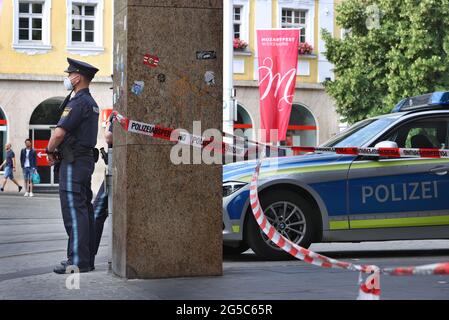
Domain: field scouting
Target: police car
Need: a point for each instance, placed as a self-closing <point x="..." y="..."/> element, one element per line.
<point x="331" y="197"/>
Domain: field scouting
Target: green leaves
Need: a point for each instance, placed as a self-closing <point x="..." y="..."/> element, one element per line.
<point x="405" y="54"/>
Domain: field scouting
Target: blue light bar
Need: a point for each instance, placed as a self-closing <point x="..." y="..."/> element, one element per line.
<point x="427" y="101"/>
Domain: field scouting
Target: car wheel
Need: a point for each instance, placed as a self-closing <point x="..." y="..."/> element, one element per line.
<point x="290" y="214"/>
<point x="233" y="251"/>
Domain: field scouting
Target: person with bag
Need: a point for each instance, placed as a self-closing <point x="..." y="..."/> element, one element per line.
<point x="28" y="160"/>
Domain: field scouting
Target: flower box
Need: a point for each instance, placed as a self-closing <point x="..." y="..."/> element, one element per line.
<point x="239" y="44"/>
<point x="305" y="48"/>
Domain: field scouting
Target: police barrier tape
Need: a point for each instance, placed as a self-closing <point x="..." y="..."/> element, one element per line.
<point x="369" y="289"/>
<point x="174" y="135"/>
<point x="358" y="151"/>
<point x="380" y="152"/>
<point x="429" y="269"/>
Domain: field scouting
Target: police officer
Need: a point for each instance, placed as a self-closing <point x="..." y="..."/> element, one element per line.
<point x="101" y="200"/>
<point x="73" y="143"/>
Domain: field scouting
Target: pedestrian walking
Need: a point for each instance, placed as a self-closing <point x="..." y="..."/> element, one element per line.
<point x="28" y="161"/>
<point x="10" y="167"/>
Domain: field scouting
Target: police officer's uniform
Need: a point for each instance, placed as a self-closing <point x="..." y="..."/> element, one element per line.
<point x="100" y="209"/>
<point x="80" y="121"/>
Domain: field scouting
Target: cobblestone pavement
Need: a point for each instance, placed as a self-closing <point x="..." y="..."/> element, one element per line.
<point x="33" y="241"/>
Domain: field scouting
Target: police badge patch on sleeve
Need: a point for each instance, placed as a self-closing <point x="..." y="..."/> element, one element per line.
<point x="66" y="112"/>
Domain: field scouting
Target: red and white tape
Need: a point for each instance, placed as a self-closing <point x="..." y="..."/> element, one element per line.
<point x="430" y="269"/>
<point x="160" y="132"/>
<point x="369" y="289"/>
<point x="174" y="135"/>
<point x="365" y="292"/>
<point x="380" y="152"/>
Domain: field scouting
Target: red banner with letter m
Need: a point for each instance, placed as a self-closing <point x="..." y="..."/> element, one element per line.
<point x="278" y="62"/>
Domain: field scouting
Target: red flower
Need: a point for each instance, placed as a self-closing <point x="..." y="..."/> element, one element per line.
<point x="239" y="44"/>
<point x="305" y="48"/>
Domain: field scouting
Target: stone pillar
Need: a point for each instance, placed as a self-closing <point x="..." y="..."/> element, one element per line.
<point x="167" y="218"/>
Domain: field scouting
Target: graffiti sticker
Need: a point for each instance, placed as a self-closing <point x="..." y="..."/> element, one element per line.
<point x="206" y="55"/>
<point x="209" y="78"/>
<point x="151" y="61"/>
<point x="161" y="77"/>
<point x="137" y="87"/>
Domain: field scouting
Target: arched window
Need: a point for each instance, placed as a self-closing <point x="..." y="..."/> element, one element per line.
<point x="243" y="126"/>
<point x="3" y="135"/>
<point x="47" y="113"/>
<point x="43" y="121"/>
<point x="302" y="128"/>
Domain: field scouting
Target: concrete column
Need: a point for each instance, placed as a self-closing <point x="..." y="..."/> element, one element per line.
<point x="167" y="218"/>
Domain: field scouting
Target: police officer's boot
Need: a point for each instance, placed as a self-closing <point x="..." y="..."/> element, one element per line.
<point x="68" y="269"/>
<point x="65" y="263"/>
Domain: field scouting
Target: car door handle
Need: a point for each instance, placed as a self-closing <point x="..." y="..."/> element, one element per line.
<point x="440" y="171"/>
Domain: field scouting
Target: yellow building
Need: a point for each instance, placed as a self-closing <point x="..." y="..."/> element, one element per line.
<point x="313" y="118"/>
<point x="36" y="37"/>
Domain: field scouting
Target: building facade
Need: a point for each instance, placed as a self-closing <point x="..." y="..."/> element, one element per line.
<point x="36" y="37"/>
<point x="313" y="119"/>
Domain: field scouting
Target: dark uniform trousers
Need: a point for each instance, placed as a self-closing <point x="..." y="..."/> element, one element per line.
<point x="100" y="215"/>
<point x="78" y="214"/>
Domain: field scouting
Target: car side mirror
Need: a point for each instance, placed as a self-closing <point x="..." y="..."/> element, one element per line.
<point x="386" y="144"/>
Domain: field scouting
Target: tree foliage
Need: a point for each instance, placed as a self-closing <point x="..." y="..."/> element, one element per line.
<point x="378" y="64"/>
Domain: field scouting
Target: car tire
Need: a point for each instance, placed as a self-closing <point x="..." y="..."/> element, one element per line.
<point x="234" y="251"/>
<point x="258" y="242"/>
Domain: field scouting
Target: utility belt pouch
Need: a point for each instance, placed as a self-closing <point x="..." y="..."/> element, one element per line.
<point x="96" y="155"/>
<point x="104" y="156"/>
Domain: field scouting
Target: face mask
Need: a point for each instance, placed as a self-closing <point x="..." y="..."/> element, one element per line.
<point x="68" y="84"/>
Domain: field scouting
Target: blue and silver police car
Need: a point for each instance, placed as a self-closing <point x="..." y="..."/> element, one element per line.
<point x="344" y="198"/>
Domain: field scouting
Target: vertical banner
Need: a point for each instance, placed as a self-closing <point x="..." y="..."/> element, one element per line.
<point x="278" y="62"/>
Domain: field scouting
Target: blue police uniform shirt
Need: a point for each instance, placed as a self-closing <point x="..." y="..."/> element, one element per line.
<point x="80" y="118"/>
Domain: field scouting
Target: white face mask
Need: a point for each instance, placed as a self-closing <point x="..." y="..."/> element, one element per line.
<point x="68" y="84"/>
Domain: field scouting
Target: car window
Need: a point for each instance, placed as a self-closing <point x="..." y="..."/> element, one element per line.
<point x="360" y="133"/>
<point x="427" y="133"/>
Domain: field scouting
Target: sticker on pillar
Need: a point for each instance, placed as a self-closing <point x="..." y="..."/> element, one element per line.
<point x="161" y="77"/>
<point x="151" y="60"/>
<point x="137" y="87"/>
<point x="206" y="55"/>
<point x="209" y="78"/>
